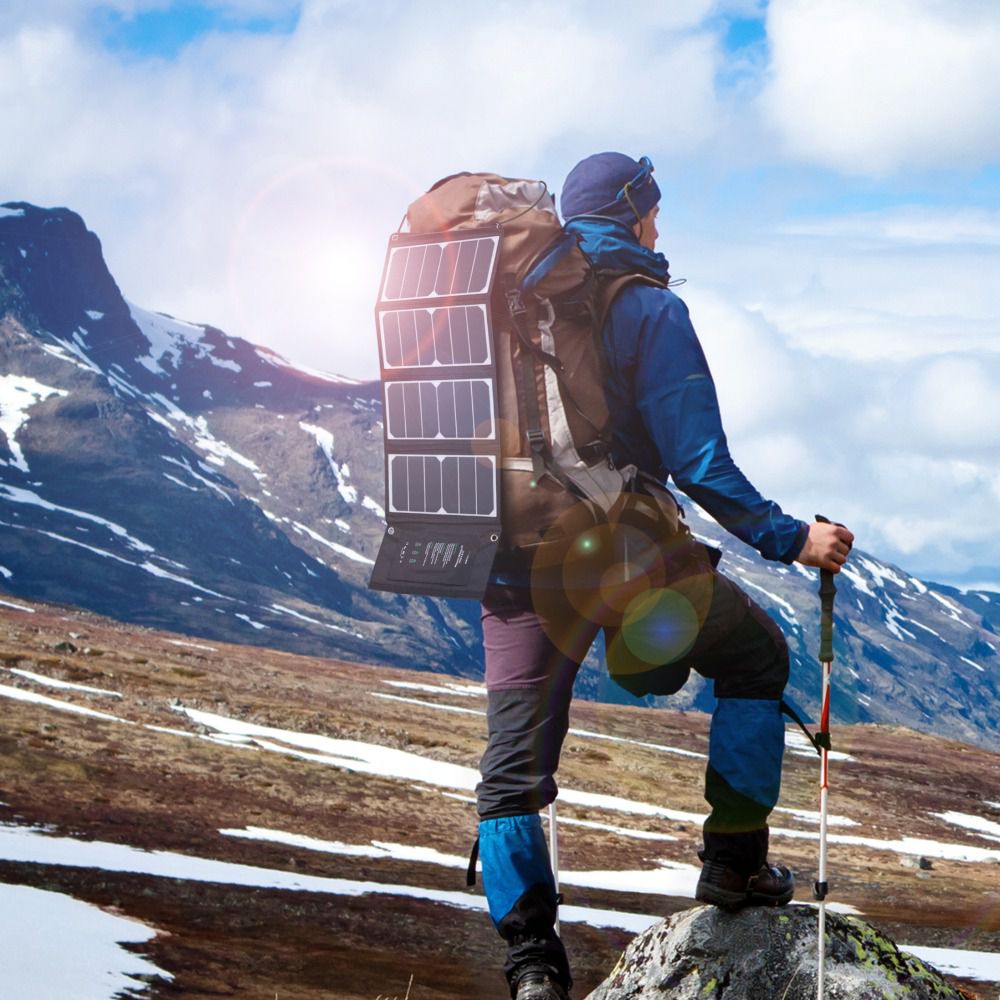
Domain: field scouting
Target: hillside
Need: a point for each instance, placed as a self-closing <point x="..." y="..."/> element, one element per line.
<point x="299" y="827"/>
<point x="169" y="474"/>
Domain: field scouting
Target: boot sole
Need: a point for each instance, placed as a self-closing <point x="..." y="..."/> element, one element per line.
<point x="731" y="901"/>
<point x="760" y="899"/>
<point x="725" y="899"/>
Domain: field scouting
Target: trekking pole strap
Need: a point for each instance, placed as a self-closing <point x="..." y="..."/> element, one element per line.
<point x="820" y="890"/>
<point x="820" y="742"/>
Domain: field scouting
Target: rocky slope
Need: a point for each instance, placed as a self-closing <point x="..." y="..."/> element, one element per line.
<point x="172" y="475"/>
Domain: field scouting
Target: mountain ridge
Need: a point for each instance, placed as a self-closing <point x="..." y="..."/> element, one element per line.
<point x="170" y="474"/>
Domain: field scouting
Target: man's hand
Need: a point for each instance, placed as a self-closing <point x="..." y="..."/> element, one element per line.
<point x="826" y="546"/>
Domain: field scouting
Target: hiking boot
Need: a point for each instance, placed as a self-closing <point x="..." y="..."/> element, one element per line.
<point x="725" y="887"/>
<point x="538" y="983"/>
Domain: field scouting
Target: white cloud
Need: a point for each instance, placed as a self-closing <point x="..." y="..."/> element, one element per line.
<point x="907" y="226"/>
<point x="877" y="87"/>
<point x="253" y="181"/>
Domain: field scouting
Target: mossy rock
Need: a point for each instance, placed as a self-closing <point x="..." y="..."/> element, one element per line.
<point x="763" y="954"/>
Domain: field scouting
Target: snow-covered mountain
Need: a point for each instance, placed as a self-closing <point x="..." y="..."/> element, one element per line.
<point x="166" y="473"/>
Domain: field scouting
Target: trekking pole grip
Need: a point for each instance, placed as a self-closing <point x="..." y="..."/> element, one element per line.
<point x="827" y="592"/>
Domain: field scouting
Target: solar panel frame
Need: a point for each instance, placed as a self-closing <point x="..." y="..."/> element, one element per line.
<point x="435" y="342"/>
<point x="424" y="405"/>
<point x="406" y="276"/>
<point x="435" y="333"/>
<point x="417" y="495"/>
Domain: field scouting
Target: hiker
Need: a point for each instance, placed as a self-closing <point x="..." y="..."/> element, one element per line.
<point x="666" y="422"/>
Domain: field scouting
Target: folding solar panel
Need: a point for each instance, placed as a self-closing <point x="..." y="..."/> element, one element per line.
<point x="442" y="449"/>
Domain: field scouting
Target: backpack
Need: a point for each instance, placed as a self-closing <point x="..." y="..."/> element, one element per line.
<point x="497" y="430"/>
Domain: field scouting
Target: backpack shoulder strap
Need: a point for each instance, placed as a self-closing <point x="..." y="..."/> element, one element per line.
<point x="610" y="287"/>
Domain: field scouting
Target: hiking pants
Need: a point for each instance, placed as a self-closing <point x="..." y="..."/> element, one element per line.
<point x="529" y="679"/>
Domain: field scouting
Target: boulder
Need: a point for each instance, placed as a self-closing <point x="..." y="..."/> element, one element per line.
<point x="764" y="954"/>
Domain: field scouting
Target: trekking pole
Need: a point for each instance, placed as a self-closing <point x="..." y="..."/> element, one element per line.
<point x="554" y="854"/>
<point x="827" y="592"/>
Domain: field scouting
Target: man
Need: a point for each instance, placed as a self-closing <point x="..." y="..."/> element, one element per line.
<point x="665" y="421"/>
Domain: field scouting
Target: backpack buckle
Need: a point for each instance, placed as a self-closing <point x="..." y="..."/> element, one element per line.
<point x="515" y="304"/>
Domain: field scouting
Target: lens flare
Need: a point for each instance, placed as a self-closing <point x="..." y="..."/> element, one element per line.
<point x="660" y="626"/>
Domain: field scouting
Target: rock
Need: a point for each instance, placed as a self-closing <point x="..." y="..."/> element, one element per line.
<point x="64" y="647"/>
<point x="763" y="954"/>
<point x="925" y="864"/>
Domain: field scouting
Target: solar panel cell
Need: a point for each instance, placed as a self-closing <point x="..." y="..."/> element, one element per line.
<point x="415" y="500"/>
<point x="467" y="487"/>
<point x="485" y="481"/>
<point x="479" y="345"/>
<point x="392" y="351"/>
<point x="429" y="410"/>
<point x="462" y="284"/>
<point x="465" y="418"/>
<point x="429" y="271"/>
<point x="449" y="485"/>
<point x="446" y="407"/>
<point x="446" y="270"/>
<point x="461" y="350"/>
<point x="398" y="499"/>
<point x="394" y="274"/>
<point x="482" y="409"/>
<point x="442" y="336"/>
<point x="432" y="483"/>
<point x="481" y="266"/>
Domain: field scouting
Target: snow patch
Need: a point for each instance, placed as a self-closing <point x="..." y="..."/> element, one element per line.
<point x="218" y="451"/>
<point x="426" y="704"/>
<point x="638" y="743"/>
<point x="17" y="607"/>
<point x="342" y="550"/>
<point x="251" y="622"/>
<point x="912" y="846"/>
<point x="167" y="338"/>
<point x="783" y="605"/>
<point x="19" y="694"/>
<point x="312" y="621"/>
<point x="63" y="685"/>
<point x="60" y="947"/>
<point x="277" y="361"/>
<point x="18" y="495"/>
<point x="464" y="690"/>
<point x="18" y="393"/>
<point x="374" y="507"/>
<point x="798" y="744"/>
<point x="860" y="583"/>
<point x="324" y="439"/>
<point x="11" y="213"/>
<point x="985" y="827"/>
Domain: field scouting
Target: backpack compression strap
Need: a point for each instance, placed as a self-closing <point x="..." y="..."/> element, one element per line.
<point x="541" y="457"/>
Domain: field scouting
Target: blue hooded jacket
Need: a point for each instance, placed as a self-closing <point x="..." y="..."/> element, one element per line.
<point x="660" y="392"/>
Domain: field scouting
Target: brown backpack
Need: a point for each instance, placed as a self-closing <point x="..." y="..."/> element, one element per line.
<point x="550" y="446"/>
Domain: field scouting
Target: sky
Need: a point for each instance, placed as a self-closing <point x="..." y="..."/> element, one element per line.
<point x="830" y="173"/>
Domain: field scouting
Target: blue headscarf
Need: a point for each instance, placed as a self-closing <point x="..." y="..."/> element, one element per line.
<point x="612" y="185"/>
